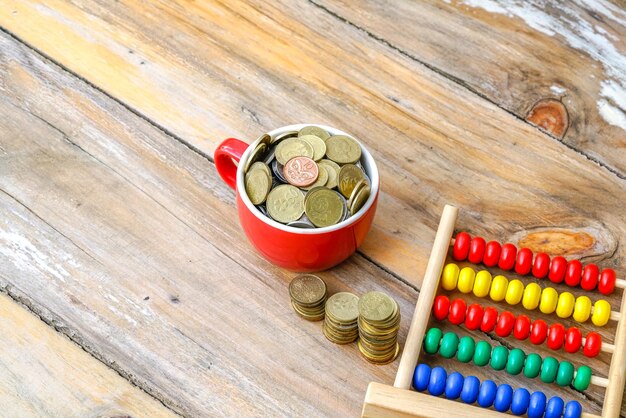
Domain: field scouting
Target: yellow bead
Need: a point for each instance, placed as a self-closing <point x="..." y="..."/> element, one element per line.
<point x="482" y="283"/>
<point x="498" y="288"/>
<point x="582" y="309"/>
<point x="532" y="295"/>
<point x="549" y="298"/>
<point x="514" y="292"/>
<point x="601" y="313"/>
<point x="565" y="305"/>
<point x="466" y="280"/>
<point x="450" y="276"/>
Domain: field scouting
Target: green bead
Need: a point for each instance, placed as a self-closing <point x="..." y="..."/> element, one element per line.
<point x="583" y="378"/>
<point x="499" y="357"/>
<point x="532" y="366"/>
<point x="565" y="374"/>
<point x="449" y="345"/>
<point x="549" y="369"/>
<point x="515" y="363"/>
<point x="432" y="339"/>
<point x="482" y="353"/>
<point x="466" y="349"/>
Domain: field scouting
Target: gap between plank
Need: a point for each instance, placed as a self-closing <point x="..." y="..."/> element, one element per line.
<point x="465" y="85"/>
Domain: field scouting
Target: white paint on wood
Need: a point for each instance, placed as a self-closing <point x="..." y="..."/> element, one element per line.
<point x="575" y="28"/>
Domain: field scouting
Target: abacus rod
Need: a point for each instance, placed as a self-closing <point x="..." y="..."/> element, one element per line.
<point x="424" y="303"/>
<point x="603" y="382"/>
<point x="606" y="347"/>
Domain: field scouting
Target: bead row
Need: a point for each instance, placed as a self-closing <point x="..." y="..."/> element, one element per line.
<point x="532" y="296"/>
<point x="513" y="361"/>
<point x="508" y="257"/>
<point x="487" y="394"/>
<point x="506" y="323"/>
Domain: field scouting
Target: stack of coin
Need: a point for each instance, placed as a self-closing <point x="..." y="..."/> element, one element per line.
<point x="307" y="178"/>
<point x="379" y="321"/>
<point x="342" y="313"/>
<point x="308" y="296"/>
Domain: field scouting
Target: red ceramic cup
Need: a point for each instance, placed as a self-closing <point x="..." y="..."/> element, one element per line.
<point x="297" y="249"/>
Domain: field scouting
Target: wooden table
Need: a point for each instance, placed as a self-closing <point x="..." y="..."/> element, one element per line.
<point x="129" y="288"/>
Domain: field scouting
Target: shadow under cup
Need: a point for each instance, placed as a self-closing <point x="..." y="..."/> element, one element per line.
<point x="297" y="249"/>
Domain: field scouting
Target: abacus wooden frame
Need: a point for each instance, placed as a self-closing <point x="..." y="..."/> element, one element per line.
<point x="398" y="400"/>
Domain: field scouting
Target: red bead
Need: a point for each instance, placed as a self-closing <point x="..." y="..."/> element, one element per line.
<point x="538" y="331"/>
<point x="521" y="331"/>
<point x="606" y="284"/>
<point x="490" y="318"/>
<point x="474" y="317"/>
<point x="524" y="261"/>
<point x="441" y="307"/>
<point x="541" y="266"/>
<point x="507" y="256"/>
<point x="557" y="269"/>
<point x="556" y="336"/>
<point x="593" y="344"/>
<point x="505" y="324"/>
<point x="573" y="340"/>
<point x="573" y="272"/>
<point x="589" y="279"/>
<point x="461" y="246"/>
<point x="492" y="253"/>
<point x="457" y="311"/>
<point x="476" y="250"/>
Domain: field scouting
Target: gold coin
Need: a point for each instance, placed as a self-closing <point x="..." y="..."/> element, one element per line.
<point x="376" y="306"/>
<point x="342" y="149"/>
<point x="285" y="203"/>
<point x="356" y="190"/>
<point x="333" y="172"/>
<point x="293" y="147"/>
<point x="318" y="144"/>
<point x="258" y="184"/>
<point x="323" y="207"/>
<point x="314" y="130"/>
<point x="344" y="306"/>
<point x="360" y="199"/>
<point x="315" y="317"/>
<point x="349" y="176"/>
<point x="307" y="289"/>
<point x="322" y="179"/>
<point x="284" y="135"/>
<point x="255" y="156"/>
<point x="260" y="166"/>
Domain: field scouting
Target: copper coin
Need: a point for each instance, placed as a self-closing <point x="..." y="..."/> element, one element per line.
<point x="301" y="171"/>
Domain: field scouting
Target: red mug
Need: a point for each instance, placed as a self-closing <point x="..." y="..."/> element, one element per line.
<point x="297" y="249"/>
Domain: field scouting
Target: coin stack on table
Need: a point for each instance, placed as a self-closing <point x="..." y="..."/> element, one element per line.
<point x="379" y="321"/>
<point x="342" y="313"/>
<point x="307" y="178"/>
<point x="308" y="296"/>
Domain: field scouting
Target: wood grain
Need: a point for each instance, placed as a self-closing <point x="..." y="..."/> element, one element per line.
<point x="114" y="210"/>
<point x="43" y="374"/>
<point x="559" y="64"/>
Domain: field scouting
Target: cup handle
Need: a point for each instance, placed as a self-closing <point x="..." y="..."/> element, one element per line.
<point x="225" y="156"/>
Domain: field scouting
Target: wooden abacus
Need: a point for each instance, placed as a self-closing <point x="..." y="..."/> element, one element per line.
<point x="399" y="400"/>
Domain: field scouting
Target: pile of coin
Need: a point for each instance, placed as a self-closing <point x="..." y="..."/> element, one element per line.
<point x="379" y="321"/>
<point x="308" y="296"/>
<point x="307" y="178"/>
<point x="342" y="313"/>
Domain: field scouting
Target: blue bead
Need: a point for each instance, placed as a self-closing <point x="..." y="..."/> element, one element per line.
<point x="554" y="409"/>
<point x="469" y="394"/>
<point x="437" y="383"/>
<point x="487" y="393"/>
<point x="573" y="409"/>
<point x="421" y="377"/>
<point x="504" y="396"/>
<point x="537" y="405"/>
<point x="454" y="385"/>
<point x="520" y="401"/>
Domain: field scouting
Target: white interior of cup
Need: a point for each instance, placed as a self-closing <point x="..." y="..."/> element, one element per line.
<point x="366" y="160"/>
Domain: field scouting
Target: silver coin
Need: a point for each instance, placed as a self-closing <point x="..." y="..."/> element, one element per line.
<point x="277" y="168"/>
<point x="300" y="223"/>
<point x="262" y="209"/>
<point x="270" y="156"/>
<point x="346" y="212"/>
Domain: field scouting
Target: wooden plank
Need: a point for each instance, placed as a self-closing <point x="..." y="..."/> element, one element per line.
<point x="560" y="65"/>
<point x="43" y="374"/>
<point x="532" y="186"/>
